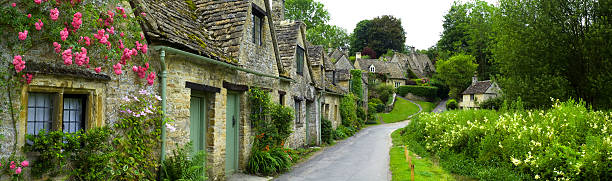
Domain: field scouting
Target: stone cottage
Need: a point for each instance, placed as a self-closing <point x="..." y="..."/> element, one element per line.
<point x="391" y="71"/>
<point x="211" y="53"/>
<point x="331" y="95"/>
<point x="479" y="91"/>
<point x="293" y="52"/>
<point x="419" y="64"/>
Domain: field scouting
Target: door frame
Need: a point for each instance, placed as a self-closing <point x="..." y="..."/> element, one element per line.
<point x="236" y="135"/>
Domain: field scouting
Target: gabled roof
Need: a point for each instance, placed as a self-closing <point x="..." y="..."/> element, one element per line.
<point x="336" y="54"/>
<point x="394" y="69"/>
<point x="315" y="55"/>
<point x="287" y="37"/>
<point x="207" y="27"/>
<point x="333" y="88"/>
<point x="478" y="87"/>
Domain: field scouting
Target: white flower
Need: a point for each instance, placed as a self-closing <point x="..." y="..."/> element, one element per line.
<point x="537" y="177"/>
<point x="143" y="92"/>
<point x="515" y="161"/>
<point x="158" y="98"/>
<point x="170" y="127"/>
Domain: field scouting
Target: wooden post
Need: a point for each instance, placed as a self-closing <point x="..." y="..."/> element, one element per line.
<point x="409" y="160"/>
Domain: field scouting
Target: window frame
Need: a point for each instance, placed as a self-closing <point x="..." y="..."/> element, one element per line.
<point x="299" y="59"/>
<point x="57" y="99"/>
<point x="257" y="28"/>
<point x="297" y="106"/>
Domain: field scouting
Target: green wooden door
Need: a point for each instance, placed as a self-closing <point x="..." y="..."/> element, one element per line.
<point x="232" y="128"/>
<point x="197" y="124"/>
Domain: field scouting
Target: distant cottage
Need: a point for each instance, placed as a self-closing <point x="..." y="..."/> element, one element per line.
<point x="478" y="92"/>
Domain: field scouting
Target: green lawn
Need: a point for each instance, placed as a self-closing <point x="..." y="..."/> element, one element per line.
<point x="402" y="110"/>
<point x="427" y="106"/>
<point x="424" y="169"/>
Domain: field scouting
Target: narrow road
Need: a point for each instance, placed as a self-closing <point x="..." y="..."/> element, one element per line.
<point x="441" y="107"/>
<point x="364" y="156"/>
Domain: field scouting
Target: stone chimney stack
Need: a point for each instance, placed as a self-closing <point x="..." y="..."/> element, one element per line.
<point x="475" y="78"/>
<point x="278" y="10"/>
<point x="358" y="55"/>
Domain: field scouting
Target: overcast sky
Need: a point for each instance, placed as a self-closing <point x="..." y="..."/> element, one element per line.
<point x="422" y="19"/>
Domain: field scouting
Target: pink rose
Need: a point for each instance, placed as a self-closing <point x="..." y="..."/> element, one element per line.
<point x="117" y="68"/>
<point x="25" y="163"/>
<point x="77" y="21"/>
<point x="54" y="14"/>
<point x="19" y="66"/>
<point x="135" y="69"/>
<point x="142" y="36"/>
<point x="58" y="47"/>
<point x="121" y="34"/>
<point x="67" y="56"/>
<point x="38" y="25"/>
<point x="143" y="14"/>
<point x="151" y="78"/>
<point x="28" y="79"/>
<point x="64" y="34"/>
<point x="37" y="1"/>
<point x="98" y="69"/>
<point x="23" y="35"/>
<point x="18" y="171"/>
<point x="29" y="15"/>
<point x="144" y="48"/>
<point x="14" y="5"/>
<point x="111" y="30"/>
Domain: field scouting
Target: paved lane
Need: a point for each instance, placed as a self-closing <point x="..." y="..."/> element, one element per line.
<point x="364" y="156"/>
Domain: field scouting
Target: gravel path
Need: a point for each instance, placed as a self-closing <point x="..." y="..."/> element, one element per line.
<point x="441" y="107"/>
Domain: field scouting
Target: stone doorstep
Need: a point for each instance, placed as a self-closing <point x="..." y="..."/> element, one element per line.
<point x="246" y="177"/>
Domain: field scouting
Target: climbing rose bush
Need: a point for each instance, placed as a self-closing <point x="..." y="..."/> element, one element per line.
<point x="67" y="26"/>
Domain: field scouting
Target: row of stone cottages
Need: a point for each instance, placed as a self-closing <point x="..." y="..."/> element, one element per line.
<point x="209" y="53"/>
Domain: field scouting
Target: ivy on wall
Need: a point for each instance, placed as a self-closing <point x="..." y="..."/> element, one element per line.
<point x="356" y="85"/>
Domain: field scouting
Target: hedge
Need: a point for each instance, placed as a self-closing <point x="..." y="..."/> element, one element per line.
<point x="428" y="92"/>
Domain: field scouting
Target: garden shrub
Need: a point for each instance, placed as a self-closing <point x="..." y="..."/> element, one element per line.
<point x="492" y="103"/>
<point x="379" y="106"/>
<point x="428" y="92"/>
<point x="184" y="165"/>
<point x="443" y="90"/>
<point x="384" y="92"/>
<point x="343" y="132"/>
<point x="272" y="125"/>
<point x="566" y="142"/>
<point x="348" y="111"/>
<point x="326" y="131"/>
<point x="371" y="112"/>
<point x="452" y="104"/>
<point x="361" y="114"/>
<point x="356" y="85"/>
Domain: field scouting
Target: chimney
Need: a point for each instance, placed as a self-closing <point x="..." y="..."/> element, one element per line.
<point x="412" y="50"/>
<point x="475" y="78"/>
<point x="358" y="55"/>
<point x="278" y="10"/>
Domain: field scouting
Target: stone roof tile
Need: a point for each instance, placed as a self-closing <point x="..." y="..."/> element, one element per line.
<point x="478" y="87"/>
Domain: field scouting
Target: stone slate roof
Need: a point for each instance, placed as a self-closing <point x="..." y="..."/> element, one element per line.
<point x="479" y="87"/>
<point x="394" y="69"/>
<point x="287" y="37"/>
<point x="332" y="88"/>
<point x="336" y="54"/>
<point x="208" y="27"/>
<point x="328" y="64"/>
<point x="315" y="54"/>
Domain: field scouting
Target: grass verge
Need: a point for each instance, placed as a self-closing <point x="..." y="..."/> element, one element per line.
<point x="401" y="111"/>
<point x="427" y="106"/>
<point x="425" y="169"/>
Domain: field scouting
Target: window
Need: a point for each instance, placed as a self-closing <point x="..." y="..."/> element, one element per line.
<point x="372" y="69"/>
<point x="281" y="99"/>
<point x="257" y="28"/>
<point x="336" y="112"/>
<point x="472" y="97"/>
<point x="298" y="112"/>
<point x="299" y="58"/>
<point x="43" y="110"/>
<point x="397" y="84"/>
<point x="334" y="77"/>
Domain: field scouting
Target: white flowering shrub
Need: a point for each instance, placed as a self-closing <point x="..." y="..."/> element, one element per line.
<point x="566" y="142"/>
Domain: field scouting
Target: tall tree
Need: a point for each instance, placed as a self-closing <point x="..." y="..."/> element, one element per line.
<point x="557" y="49"/>
<point x="456" y="73"/>
<point x="381" y="34"/>
<point x="316" y="18"/>
<point x="468" y="29"/>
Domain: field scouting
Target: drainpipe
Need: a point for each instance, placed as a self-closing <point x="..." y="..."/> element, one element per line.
<point x="162" y="57"/>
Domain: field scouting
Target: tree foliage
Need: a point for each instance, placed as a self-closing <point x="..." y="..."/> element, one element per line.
<point x="316" y="18"/>
<point x="468" y="30"/>
<point x="456" y="72"/>
<point x="382" y="33"/>
<point x="558" y="49"/>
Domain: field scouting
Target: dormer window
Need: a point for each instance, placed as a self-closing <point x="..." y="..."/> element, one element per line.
<point x="299" y="58"/>
<point x="258" y="15"/>
<point x="372" y="69"/>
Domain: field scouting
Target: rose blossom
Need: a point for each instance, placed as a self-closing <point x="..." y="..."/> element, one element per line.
<point x="23" y="35"/>
<point x="38" y="25"/>
<point x="54" y="14"/>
